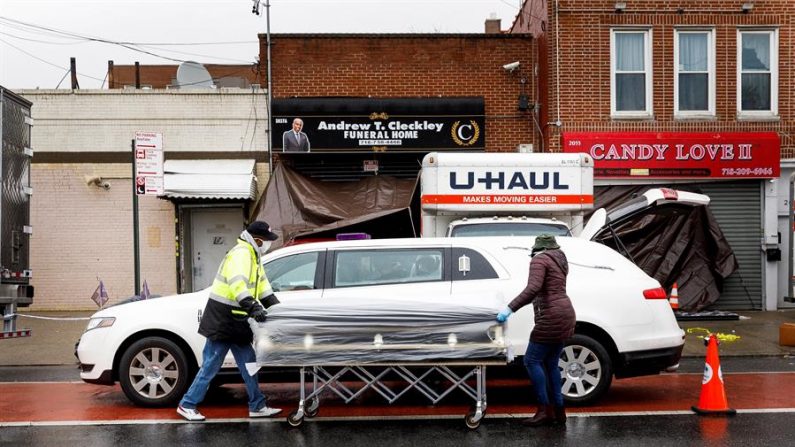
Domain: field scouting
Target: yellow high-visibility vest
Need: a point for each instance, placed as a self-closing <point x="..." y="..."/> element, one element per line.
<point x="240" y="276"/>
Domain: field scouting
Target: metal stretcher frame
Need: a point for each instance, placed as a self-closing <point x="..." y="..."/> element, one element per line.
<point x="381" y="378"/>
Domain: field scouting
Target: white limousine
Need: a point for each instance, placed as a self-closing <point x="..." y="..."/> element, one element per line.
<point x="625" y="326"/>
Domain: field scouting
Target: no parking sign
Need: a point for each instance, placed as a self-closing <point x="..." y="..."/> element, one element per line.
<point x="148" y="163"/>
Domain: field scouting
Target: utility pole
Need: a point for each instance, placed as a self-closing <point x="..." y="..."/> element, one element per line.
<point x="255" y="10"/>
<point x="136" y="250"/>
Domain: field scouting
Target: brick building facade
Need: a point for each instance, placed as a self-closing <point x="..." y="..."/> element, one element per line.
<point x="165" y="76"/>
<point x="411" y="65"/>
<point x="574" y="37"/>
<point x="690" y="73"/>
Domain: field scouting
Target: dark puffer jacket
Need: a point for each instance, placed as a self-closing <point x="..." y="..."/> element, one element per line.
<point x="546" y="289"/>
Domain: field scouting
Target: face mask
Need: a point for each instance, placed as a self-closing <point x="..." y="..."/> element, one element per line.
<point x="266" y="245"/>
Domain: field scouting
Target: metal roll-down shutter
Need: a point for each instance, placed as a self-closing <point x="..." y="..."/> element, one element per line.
<point x="737" y="206"/>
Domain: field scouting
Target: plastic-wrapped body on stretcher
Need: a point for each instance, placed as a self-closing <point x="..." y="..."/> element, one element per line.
<point x="390" y="347"/>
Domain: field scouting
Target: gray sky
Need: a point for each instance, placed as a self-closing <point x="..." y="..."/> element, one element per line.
<point x="225" y="29"/>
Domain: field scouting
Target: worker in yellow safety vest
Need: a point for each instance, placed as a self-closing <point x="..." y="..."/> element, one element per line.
<point x="240" y="291"/>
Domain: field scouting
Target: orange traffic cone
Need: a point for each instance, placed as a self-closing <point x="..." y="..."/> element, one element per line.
<point x="674" y="299"/>
<point x="713" y="396"/>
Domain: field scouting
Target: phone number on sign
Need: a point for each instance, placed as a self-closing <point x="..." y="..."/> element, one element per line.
<point x="746" y="171"/>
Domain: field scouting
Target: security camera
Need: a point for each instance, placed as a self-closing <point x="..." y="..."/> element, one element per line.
<point x="95" y="180"/>
<point x="511" y="67"/>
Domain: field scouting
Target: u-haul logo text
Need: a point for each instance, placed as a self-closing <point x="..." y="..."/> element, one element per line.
<point x="501" y="181"/>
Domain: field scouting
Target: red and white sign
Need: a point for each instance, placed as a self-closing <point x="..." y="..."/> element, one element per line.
<point x="506" y="182"/>
<point x="149" y="140"/>
<point x="679" y="154"/>
<point x="149" y="163"/>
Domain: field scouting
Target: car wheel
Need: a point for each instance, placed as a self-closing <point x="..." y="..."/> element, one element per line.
<point x="154" y="372"/>
<point x="586" y="370"/>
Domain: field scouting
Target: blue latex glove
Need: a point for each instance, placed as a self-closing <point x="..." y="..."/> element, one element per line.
<point x="503" y="316"/>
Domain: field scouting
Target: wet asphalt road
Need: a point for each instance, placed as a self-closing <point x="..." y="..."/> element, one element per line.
<point x="749" y="428"/>
<point x="70" y="373"/>
<point x="746" y="429"/>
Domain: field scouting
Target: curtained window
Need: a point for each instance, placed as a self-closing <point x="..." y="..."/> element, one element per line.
<point x="695" y="73"/>
<point x="758" y="71"/>
<point x="631" y="73"/>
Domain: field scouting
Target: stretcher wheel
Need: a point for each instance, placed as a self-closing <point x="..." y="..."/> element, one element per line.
<point x="313" y="408"/>
<point x="472" y="420"/>
<point x="295" y="418"/>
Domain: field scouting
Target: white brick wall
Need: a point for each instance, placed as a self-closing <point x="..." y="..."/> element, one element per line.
<point x="190" y="120"/>
<point x="81" y="233"/>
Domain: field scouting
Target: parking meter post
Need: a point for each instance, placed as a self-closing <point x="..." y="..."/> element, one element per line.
<point x="136" y="254"/>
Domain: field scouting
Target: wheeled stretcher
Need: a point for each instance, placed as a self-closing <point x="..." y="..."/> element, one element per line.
<point x="392" y="381"/>
<point x="350" y="347"/>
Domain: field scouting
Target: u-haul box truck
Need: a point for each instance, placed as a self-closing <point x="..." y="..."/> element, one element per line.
<point x="502" y="194"/>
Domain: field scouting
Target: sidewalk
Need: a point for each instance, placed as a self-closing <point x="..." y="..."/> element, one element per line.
<point x="758" y="332"/>
<point x="53" y="341"/>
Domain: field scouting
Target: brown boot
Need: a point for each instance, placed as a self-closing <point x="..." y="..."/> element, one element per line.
<point x="560" y="416"/>
<point x="545" y="415"/>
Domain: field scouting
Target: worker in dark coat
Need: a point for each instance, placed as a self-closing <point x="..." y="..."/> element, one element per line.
<point x="554" y="324"/>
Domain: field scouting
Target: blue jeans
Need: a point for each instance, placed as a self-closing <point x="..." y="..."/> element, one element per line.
<point x="214" y="353"/>
<point x="541" y="361"/>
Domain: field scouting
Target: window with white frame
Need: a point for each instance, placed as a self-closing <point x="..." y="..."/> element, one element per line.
<point x="757" y="73"/>
<point x="630" y="66"/>
<point x="694" y="73"/>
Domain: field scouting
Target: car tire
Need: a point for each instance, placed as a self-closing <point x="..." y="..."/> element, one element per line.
<point x="586" y="370"/>
<point x="154" y="372"/>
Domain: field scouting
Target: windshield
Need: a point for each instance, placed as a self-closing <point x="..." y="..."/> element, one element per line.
<point x="509" y="229"/>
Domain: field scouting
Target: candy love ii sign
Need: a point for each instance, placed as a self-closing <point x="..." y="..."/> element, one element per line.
<point x="679" y="154"/>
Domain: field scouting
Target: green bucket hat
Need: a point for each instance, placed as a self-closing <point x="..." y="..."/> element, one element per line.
<point x="546" y="242"/>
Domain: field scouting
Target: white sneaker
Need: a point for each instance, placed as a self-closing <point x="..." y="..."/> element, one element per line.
<point x="264" y="412"/>
<point x="190" y="414"/>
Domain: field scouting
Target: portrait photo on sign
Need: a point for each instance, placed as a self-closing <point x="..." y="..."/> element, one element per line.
<point x="295" y="140"/>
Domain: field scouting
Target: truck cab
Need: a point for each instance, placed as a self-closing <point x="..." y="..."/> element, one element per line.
<point x="506" y="226"/>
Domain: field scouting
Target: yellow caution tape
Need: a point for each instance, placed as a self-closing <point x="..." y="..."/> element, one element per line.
<point x="727" y="337"/>
<point x="721" y="336"/>
<point x="694" y="330"/>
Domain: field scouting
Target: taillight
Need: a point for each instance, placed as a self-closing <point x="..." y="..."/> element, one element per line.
<point x="655" y="294"/>
<point x="669" y="194"/>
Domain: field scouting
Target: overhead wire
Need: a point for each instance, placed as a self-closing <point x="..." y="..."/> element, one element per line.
<point x="133" y="46"/>
<point x="49" y="42"/>
<point x="76" y="38"/>
<point x="24" y="26"/>
<point x="45" y="61"/>
<point x="93" y="39"/>
<point x="201" y="55"/>
<point x="34" y="31"/>
<point x="64" y="77"/>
